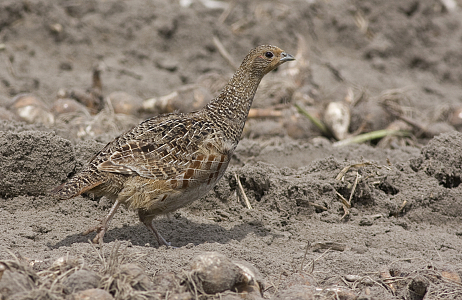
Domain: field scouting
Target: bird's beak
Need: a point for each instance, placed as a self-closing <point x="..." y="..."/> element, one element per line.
<point x="286" y="57"/>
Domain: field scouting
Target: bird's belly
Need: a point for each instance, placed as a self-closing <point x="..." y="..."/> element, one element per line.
<point x="184" y="197"/>
<point x="163" y="196"/>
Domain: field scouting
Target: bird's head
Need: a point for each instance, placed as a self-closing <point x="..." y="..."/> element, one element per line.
<point x="266" y="58"/>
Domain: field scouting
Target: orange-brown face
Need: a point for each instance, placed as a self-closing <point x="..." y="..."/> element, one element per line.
<point x="267" y="58"/>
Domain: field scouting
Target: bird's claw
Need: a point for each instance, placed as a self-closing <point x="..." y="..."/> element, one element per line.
<point x="100" y="231"/>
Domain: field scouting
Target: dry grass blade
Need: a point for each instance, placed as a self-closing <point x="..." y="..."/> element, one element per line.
<point x="9" y="66"/>
<point x="242" y="192"/>
<point x="344" y="201"/>
<point x="341" y="175"/>
<point x="194" y="288"/>
<point x="304" y="255"/>
<point x="117" y="278"/>
<point x="354" y="187"/>
<point x="392" y="102"/>
<point x="402" y="206"/>
<point x="363" y="24"/>
<point x="224" y="53"/>
<point x="388" y="279"/>
<point x="345" y="170"/>
<point x="318" y="206"/>
<point x="224" y="15"/>
<point x="311" y="264"/>
<point x="346" y="206"/>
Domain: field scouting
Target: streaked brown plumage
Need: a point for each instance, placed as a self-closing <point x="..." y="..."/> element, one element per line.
<point x="168" y="161"/>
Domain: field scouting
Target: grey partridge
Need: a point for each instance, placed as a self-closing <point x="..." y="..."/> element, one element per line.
<point x="169" y="161"/>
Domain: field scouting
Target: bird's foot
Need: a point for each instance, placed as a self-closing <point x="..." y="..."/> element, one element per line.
<point x="100" y="231"/>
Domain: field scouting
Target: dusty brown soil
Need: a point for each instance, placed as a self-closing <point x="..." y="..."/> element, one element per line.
<point x="401" y="237"/>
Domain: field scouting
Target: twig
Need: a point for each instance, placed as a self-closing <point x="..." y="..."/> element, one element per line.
<point x="224" y="53"/>
<point x="241" y="189"/>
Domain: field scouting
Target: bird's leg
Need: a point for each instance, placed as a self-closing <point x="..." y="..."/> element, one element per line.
<point x="147" y="221"/>
<point x="102" y="227"/>
<point x="159" y="237"/>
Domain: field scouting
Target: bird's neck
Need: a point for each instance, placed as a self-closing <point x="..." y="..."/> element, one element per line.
<point x="231" y="107"/>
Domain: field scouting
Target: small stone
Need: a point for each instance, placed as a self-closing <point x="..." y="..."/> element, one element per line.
<point x="65" y="66"/>
<point x="93" y="294"/>
<point x="167" y="64"/>
<point x="418" y="287"/>
<point x="124" y="103"/>
<point x="31" y="109"/>
<point x="214" y="273"/>
<point x="353" y="278"/>
<point x="366" y="222"/>
<point x="67" y="105"/>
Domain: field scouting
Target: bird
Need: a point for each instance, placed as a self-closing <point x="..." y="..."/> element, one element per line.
<point x="168" y="161"/>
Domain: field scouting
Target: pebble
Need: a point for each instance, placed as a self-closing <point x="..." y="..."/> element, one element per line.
<point x="93" y="294"/>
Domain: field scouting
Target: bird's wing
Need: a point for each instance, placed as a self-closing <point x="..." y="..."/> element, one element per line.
<point x="160" y="151"/>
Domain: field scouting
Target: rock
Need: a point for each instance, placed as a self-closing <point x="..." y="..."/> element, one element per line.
<point x="418" y="287"/>
<point x="31" y="109"/>
<point x="82" y="280"/>
<point x="124" y="103"/>
<point x="33" y="162"/>
<point x="252" y="281"/>
<point x="14" y="279"/>
<point x="213" y="273"/>
<point x="67" y="105"/>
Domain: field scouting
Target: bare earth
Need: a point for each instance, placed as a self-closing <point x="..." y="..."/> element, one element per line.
<point x="400" y="239"/>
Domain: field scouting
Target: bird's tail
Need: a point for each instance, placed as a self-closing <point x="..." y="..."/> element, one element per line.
<point x="77" y="185"/>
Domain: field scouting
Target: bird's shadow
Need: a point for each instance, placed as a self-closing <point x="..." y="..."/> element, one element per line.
<point x="179" y="232"/>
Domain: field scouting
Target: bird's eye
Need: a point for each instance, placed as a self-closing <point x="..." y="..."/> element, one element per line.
<point x="269" y="54"/>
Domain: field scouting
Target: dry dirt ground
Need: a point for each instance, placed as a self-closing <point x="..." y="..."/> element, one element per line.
<point x="387" y="227"/>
